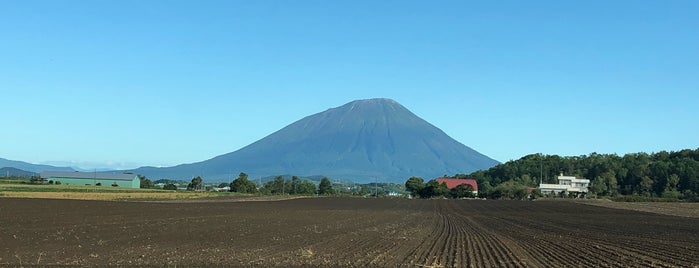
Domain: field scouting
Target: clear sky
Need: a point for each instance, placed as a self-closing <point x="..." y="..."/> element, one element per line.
<point x="128" y="83"/>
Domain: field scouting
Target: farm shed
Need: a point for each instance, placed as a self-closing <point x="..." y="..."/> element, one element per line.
<point x="93" y="178"/>
<point x="453" y="182"/>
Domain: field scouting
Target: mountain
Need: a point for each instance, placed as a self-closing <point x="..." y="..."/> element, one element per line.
<point x="31" y="167"/>
<point x="15" y="172"/>
<point x="364" y="140"/>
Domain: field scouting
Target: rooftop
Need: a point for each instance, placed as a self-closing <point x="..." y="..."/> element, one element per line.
<point x="88" y="175"/>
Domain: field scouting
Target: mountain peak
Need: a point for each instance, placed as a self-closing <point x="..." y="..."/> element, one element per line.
<point x="374" y="101"/>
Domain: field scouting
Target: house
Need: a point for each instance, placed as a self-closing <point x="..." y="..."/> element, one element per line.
<point x="392" y="193"/>
<point x="126" y="180"/>
<point x="566" y="184"/>
<point x="453" y="182"/>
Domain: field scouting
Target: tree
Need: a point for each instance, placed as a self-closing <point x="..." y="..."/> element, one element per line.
<point x="223" y="184"/>
<point x="598" y="186"/>
<point x="646" y="186"/>
<point x="535" y="194"/>
<point x="145" y="182"/>
<point x="170" y="186"/>
<point x="36" y="180"/>
<point x="242" y="184"/>
<point x="434" y="189"/>
<point x="611" y="182"/>
<point x="306" y="187"/>
<point x="295" y="181"/>
<point x="461" y="191"/>
<point x="276" y="186"/>
<point x="672" y="182"/>
<point x="325" y="187"/>
<point x="485" y="190"/>
<point x="414" y="185"/>
<point x="196" y="184"/>
<point x="511" y="190"/>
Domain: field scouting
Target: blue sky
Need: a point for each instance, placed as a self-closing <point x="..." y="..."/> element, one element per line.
<point x="129" y="83"/>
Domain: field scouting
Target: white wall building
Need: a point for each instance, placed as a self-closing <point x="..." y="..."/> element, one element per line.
<point x="569" y="184"/>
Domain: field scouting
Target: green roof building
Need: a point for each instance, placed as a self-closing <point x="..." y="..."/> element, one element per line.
<point x="108" y="179"/>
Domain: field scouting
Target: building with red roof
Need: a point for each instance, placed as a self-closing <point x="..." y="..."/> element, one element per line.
<point x="453" y="182"/>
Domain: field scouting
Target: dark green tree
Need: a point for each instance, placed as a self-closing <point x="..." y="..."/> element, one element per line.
<point x="295" y="181"/>
<point x="414" y="185"/>
<point x="145" y="182"/>
<point x="276" y="186"/>
<point x="196" y="184"/>
<point x="170" y="186"/>
<point x="598" y="186"/>
<point x="462" y="191"/>
<point x="325" y="187"/>
<point x="306" y="187"/>
<point x="242" y="184"/>
<point x="434" y="189"/>
<point x="510" y="190"/>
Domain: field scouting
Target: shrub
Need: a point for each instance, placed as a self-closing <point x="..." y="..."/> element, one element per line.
<point x="170" y="186"/>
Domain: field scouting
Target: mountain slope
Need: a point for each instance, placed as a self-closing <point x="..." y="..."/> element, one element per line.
<point x="31" y="167"/>
<point x="15" y="172"/>
<point x="364" y="140"/>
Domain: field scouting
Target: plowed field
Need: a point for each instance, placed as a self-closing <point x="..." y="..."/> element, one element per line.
<point x="342" y="232"/>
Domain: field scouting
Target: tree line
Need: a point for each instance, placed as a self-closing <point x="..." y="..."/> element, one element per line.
<point x="663" y="174"/>
<point x="281" y="186"/>
<point x="418" y="188"/>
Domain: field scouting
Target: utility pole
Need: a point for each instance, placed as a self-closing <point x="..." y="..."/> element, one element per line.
<point x="376" y="192"/>
<point x="541" y="175"/>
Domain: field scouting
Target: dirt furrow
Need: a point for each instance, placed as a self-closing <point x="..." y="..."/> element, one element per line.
<point x="341" y="232"/>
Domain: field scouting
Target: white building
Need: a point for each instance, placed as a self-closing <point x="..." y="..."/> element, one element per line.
<point x="568" y="184"/>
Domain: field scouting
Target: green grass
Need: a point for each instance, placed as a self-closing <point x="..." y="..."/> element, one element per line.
<point x="13" y="181"/>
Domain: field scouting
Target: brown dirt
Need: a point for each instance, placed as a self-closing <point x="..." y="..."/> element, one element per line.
<point x="666" y="208"/>
<point x="341" y="232"/>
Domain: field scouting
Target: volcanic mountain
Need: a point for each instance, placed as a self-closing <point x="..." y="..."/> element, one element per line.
<point x="364" y="140"/>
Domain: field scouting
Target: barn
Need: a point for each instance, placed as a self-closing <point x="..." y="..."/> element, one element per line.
<point x="125" y="180"/>
<point x="453" y="182"/>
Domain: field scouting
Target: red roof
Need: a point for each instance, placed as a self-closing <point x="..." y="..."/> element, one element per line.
<point x="452" y="182"/>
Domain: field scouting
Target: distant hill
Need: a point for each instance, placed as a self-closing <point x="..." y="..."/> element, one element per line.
<point x="364" y="141"/>
<point x="30" y="167"/>
<point x="15" y="172"/>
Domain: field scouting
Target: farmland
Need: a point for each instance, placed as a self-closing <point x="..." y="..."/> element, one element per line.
<point x="100" y="193"/>
<point x="342" y="232"/>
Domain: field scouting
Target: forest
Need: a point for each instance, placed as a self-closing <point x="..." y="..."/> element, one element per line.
<point x="670" y="175"/>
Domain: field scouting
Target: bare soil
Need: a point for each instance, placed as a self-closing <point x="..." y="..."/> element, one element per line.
<point x="341" y="232"/>
<point x="666" y="208"/>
